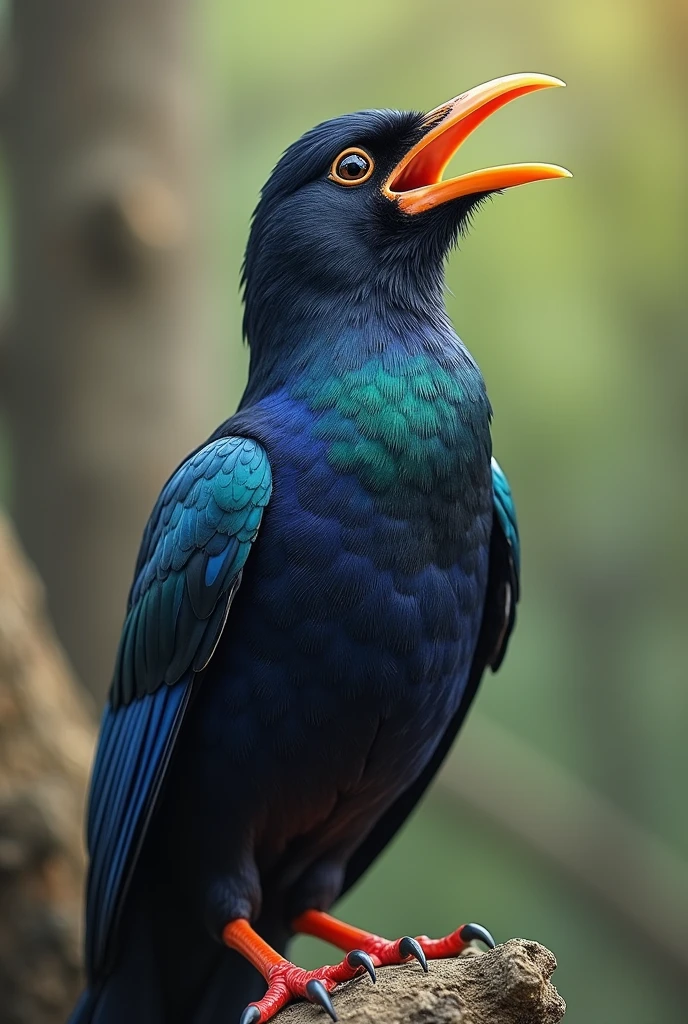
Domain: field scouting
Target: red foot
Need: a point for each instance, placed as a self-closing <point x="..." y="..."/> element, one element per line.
<point x="287" y="982"/>
<point x="365" y="951"/>
<point x="452" y="945"/>
<point x="384" y="951"/>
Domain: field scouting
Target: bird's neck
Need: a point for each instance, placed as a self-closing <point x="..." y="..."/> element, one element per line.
<point x="287" y="315"/>
<point x="343" y="336"/>
<point x="390" y="406"/>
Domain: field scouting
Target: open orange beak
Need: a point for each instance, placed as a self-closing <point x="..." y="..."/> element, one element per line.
<point x="416" y="182"/>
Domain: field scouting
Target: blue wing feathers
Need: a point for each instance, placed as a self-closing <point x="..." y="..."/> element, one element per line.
<point x="188" y="569"/>
<point x="154" y="727"/>
<point x="505" y="510"/>
<point x="505" y="568"/>
<point x="212" y="504"/>
<point x="143" y="730"/>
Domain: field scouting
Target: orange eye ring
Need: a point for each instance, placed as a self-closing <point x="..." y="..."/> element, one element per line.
<point x="358" y="161"/>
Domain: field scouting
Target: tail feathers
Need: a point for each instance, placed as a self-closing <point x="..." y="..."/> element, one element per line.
<point x="131" y="994"/>
<point x="83" y="1011"/>
<point x="129" y="998"/>
<point x="116" y="1003"/>
<point x="120" y="1000"/>
<point x="192" y="980"/>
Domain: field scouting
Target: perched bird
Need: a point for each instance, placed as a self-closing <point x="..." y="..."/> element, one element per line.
<point x="318" y="592"/>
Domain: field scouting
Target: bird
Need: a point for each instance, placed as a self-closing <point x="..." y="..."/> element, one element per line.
<point x="319" y="590"/>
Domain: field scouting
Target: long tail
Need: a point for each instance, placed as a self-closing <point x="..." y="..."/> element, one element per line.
<point x="177" y="975"/>
<point x="232" y="985"/>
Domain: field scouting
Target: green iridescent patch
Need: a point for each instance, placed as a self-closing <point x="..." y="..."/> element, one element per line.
<point x="390" y="426"/>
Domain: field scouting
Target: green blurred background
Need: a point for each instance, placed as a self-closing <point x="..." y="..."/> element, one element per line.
<point x="562" y="814"/>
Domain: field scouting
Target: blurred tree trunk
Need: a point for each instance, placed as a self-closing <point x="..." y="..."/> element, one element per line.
<point x="106" y="362"/>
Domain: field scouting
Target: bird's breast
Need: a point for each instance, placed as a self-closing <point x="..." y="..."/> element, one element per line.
<point x="372" y="556"/>
<point x="351" y="638"/>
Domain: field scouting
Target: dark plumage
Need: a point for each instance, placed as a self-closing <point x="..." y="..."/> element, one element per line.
<point x="318" y="592"/>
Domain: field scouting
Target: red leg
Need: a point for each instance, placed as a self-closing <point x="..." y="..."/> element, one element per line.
<point x="286" y="981"/>
<point x="364" y="950"/>
<point x="384" y="951"/>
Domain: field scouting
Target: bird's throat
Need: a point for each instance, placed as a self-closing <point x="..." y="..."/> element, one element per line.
<point x="399" y="419"/>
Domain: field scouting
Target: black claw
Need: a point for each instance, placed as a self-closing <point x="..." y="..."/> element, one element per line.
<point x="317" y="993"/>
<point x="411" y="947"/>
<point x="476" y="931"/>
<point x="251" y="1015"/>
<point x="359" y="958"/>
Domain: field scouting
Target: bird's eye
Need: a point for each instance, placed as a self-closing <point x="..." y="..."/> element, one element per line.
<point x="352" y="167"/>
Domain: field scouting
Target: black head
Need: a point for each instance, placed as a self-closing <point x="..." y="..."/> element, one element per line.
<point x="356" y="220"/>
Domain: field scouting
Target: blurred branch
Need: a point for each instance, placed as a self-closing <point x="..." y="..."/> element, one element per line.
<point x="632" y="873"/>
<point x="510" y="985"/>
<point x="46" y="742"/>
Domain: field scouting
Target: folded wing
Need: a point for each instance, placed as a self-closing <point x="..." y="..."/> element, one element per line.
<point x="189" y="568"/>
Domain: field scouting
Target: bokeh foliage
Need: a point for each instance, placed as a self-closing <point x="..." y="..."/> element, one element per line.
<point x="572" y="295"/>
